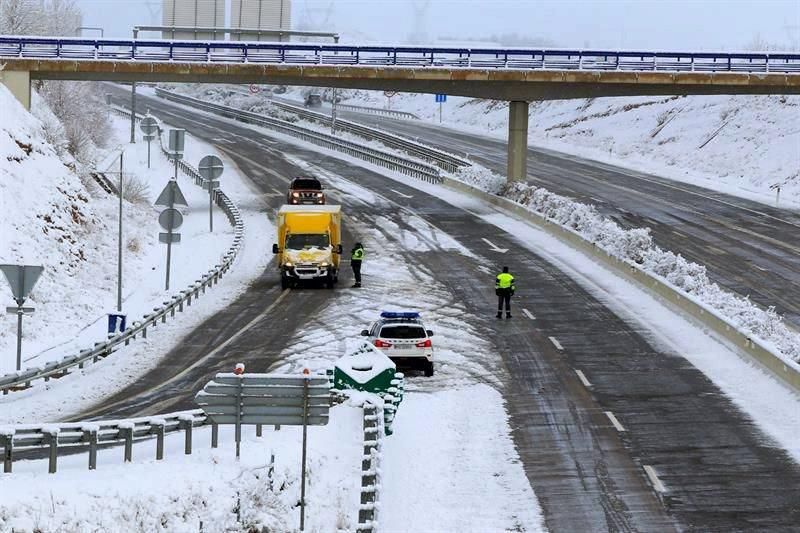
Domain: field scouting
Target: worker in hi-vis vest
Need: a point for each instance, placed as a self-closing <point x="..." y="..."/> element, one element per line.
<point x="357" y="255"/>
<point x="504" y="288"/>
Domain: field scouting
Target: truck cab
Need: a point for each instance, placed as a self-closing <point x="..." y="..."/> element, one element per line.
<point x="309" y="244"/>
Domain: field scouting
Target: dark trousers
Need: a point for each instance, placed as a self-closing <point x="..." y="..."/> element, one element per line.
<point x="356" y="265"/>
<point x="503" y="296"/>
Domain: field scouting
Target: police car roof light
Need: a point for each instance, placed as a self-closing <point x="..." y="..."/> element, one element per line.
<point x="400" y="314"/>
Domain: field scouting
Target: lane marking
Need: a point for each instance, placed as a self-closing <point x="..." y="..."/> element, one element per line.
<point x="528" y="314"/>
<point x="614" y="421"/>
<point x="200" y="361"/>
<point x="762" y="269"/>
<point x="401" y="194"/>
<point x="583" y="379"/>
<point x="556" y="343"/>
<point x="494" y="246"/>
<point x="651" y="474"/>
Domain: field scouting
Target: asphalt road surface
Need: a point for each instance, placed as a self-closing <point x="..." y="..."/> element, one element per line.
<point x="687" y="459"/>
<point x="748" y="247"/>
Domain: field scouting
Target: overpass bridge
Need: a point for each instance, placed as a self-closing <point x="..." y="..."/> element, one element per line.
<point x="518" y="76"/>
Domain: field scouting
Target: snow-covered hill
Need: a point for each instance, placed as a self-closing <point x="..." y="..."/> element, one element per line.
<point x="50" y="217"/>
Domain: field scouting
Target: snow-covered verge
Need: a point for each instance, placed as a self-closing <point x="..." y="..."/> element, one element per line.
<point x="207" y="491"/>
<point x="740" y="145"/>
<point x="50" y="217"/>
<point x="636" y="245"/>
<point x="79" y="391"/>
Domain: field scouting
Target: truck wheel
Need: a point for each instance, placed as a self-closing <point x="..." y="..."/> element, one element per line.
<point x="329" y="281"/>
<point x="428" y="369"/>
<point x="284" y="282"/>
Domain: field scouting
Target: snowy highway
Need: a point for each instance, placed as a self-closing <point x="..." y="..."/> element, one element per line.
<point x="615" y="430"/>
<point x="737" y="239"/>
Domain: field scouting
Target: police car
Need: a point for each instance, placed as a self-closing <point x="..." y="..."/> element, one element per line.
<point x="402" y="336"/>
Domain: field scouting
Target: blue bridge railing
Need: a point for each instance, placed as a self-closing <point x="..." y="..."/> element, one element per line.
<point x="392" y="56"/>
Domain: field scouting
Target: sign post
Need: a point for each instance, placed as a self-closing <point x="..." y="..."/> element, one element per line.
<point x="210" y="169"/>
<point x="170" y="219"/>
<point x="21" y="278"/>
<point x="271" y="399"/>
<point x="149" y="127"/>
<point x="440" y="99"/>
<point x="389" y="95"/>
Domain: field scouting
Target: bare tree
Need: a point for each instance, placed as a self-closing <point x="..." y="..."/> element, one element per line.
<point x="39" y="17"/>
<point x="19" y="17"/>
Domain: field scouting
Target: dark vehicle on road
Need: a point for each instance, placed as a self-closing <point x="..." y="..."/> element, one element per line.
<point x="305" y="191"/>
<point x="313" y="100"/>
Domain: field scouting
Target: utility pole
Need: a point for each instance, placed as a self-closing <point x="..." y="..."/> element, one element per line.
<point x="119" y="241"/>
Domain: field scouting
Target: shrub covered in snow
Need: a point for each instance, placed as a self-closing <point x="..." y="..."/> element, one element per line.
<point x="636" y="246"/>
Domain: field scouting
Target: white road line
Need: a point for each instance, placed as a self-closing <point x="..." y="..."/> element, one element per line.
<point x="583" y="379"/>
<point x="528" y="314"/>
<point x="556" y="343"/>
<point x="762" y="269"/>
<point x="651" y="473"/>
<point x="494" y="246"/>
<point x="614" y="421"/>
<point x="401" y="194"/>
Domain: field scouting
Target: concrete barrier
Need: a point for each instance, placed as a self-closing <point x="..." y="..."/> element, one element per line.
<point x="753" y="347"/>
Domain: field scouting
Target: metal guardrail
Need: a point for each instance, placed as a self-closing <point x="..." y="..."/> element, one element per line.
<point x="69" y="437"/>
<point x="370" y="469"/>
<point x="62" y="367"/>
<point x="371" y="155"/>
<point x="438" y="157"/>
<point x="401" y="56"/>
<point x="377" y="111"/>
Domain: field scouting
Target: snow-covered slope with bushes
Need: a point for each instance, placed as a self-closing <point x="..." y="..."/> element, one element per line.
<point x="50" y="217"/>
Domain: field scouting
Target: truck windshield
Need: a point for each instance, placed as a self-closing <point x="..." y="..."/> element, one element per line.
<point x="303" y="241"/>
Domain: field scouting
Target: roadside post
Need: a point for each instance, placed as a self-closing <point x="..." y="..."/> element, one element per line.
<point x="269" y="399"/>
<point x="176" y="144"/>
<point x="333" y="111"/>
<point x="389" y="95"/>
<point x="119" y="238"/>
<point x="777" y="188"/>
<point x="21" y="278"/>
<point x="210" y="169"/>
<point x="170" y="219"/>
<point x="108" y="103"/>
<point x="440" y="99"/>
<point x="149" y="127"/>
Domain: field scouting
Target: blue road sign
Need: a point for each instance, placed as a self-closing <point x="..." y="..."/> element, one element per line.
<point x="440" y="98"/>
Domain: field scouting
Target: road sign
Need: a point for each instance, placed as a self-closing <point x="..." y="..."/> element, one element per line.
<point x="148" y="125"/>
<point x="213" y="184"/>
<point x="176" y="143"/>
<point x="170" y="219"/>
<point x="171" y="195"/>
<point x="272" y="399"/>
<point x="169" y="238"/>
<point x="254" y="89"/>
<point x="389" y="94"/>
<point x="17" y="310"/>
<point x="441" y="98"/>
<point x="22" y="278"/>
<point x="211" y="167"/>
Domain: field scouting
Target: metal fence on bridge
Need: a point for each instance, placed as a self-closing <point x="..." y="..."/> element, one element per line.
<point x="398" y="56"/>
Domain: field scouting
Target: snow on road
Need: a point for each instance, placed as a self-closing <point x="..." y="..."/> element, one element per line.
<point x="182" y="492"/>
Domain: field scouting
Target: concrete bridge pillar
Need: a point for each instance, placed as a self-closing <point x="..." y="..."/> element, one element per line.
<point x="517" y="141"/>
<point x="19" y="83"/>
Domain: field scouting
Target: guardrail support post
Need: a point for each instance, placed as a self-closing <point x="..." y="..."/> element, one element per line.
<point x="187" y="445"/>
<point x="90" y="436"/>
<point x="160" y="432"/>
<point x="127" y="433"/>
<point x="258" y="430"/>
<point x="517" y="141"/>
<point x="8" y="452"/>
<point x="214" y="435"/>
<point x="52" y="441"/>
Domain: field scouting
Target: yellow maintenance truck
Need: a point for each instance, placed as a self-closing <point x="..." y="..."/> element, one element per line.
<point x="309" y="243"/>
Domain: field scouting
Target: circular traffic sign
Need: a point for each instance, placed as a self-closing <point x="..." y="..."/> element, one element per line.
<point x="389" y="94"/>
<point x="148" y="125"/>
<point x="210" y="167"/>
<point x="254" y="89"/>
<point x="170" y="219"/>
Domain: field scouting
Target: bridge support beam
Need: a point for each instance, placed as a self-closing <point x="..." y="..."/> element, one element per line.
<point x="517" y="141"/>
<point x="19" y="83"/>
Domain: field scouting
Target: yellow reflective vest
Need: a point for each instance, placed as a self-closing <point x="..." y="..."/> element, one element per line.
<point x="505" y="281"/>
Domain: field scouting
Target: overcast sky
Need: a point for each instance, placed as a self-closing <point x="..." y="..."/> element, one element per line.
<point x="662" y="24"/>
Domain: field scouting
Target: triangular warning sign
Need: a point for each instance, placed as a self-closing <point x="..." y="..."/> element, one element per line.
<point x="171" y="195"/>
